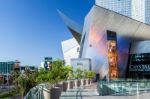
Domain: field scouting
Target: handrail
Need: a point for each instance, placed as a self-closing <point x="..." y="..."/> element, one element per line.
<point x="31" y="93"/>
<point x="39" y="90"/>
<point x="77" y="95"/>
<point x="79" y="91"/>
<point x="81" y="94"/>
<point x="123" y="87"/>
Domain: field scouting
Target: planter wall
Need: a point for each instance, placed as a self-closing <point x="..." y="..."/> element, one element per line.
<point x="78" y="83"/>
<point x="72" y="84"/>
<point x="89" y="81"/>
<point x="84" y="82"/>
<point x="55" y="93"/>
<point x="75" y="83"/>
<point x="46" y="93"/>
<point x="65" y="86"/>
<point x="60" y="85"/>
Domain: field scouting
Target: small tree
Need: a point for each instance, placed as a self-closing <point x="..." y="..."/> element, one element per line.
<point x="21" y="84"/>
<point x="90" y="74"/>
<point x="27" y="71"/>
<point x="15" y="75"/>
<point x="67" y="73"/>
<point x="56" y="71"/>
<point x="42" y="76"/>
<point x="79" y="73"/>
<point x="24" y="82"/>
<point x="85" y="71"/>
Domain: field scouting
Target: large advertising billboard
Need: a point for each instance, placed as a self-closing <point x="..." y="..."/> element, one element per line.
<point x="112" y="55"/>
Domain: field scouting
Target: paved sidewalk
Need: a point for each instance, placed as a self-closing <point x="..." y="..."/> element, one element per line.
<point x="90" y="92"/>
<point x="144" y="96"/>
<point x="86" y="91"/>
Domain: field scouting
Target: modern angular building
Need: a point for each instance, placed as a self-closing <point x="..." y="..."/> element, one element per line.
<point x="118" y="46"/>
<point x="70" y="50"/>
<point x="136" y="9"/>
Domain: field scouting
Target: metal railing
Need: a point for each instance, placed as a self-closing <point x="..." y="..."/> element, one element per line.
<point x="36" y="92"/>
<point x="79" y="93"/>
<point x="124" y="87"/>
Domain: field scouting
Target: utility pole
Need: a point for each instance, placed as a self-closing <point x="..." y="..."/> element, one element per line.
<point x="8" y="78"/>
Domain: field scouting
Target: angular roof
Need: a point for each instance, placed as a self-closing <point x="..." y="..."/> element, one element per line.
<point x="74" y="28"/>
<point x="123" y="25"/>
<point x="113" y="21"/>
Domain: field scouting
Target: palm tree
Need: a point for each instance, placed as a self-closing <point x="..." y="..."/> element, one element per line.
<point x="15" y="76"/>
<point x="1" y="80"/>
<point x="24" y="82"/>
<point x="22" y="85"/>
<point x="27" y="71"/>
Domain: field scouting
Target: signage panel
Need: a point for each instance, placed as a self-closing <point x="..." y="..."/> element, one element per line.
<point x="139" y="62"/>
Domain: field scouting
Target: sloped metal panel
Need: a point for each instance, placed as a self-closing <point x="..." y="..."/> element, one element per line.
<point x="74" y="28"/>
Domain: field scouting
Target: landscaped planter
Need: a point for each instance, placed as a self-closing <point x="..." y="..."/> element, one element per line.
<point x="65" y="86"/>
<point x="84" y="82"/>
<point x="89" y="81"/>
<point x="60" y="85"/>
<point x="75" y="83"/>
<point x="55" y="93"/>
<point x="78" y="83"/>
<point x="72" y="84"/>
<point x="81" y="82"/>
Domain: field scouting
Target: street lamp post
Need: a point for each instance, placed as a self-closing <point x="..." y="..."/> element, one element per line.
<point x="3" y="79"/>
<point x="8" y="78"/>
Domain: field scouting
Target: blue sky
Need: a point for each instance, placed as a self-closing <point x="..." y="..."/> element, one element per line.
<point x="32" y="29"/>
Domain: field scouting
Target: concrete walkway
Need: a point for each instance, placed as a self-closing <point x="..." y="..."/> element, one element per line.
<point x="143" y="96"/>
<point x="86" y="91"/>
<point x="90" y="92"/>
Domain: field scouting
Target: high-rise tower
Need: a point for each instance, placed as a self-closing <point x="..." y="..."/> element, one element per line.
<point x="136" y="9"/>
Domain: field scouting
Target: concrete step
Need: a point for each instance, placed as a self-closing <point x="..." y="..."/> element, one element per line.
<point x="83" y="94"/>
<point x="87" y="91"/>
<point x="69" y="98"/>
<point x="84" y="90"/>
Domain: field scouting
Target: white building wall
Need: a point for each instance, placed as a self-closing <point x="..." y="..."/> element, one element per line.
<point x="70" y="50"/>
<point x="83" y="63"/>
<point x="41" y="65"/>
